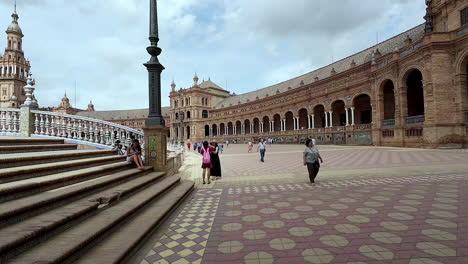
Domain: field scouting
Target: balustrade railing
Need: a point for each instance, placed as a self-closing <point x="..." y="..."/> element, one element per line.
<point x="419" y="119"/>
<point x="363" y="127"/>
<point x="83" y="129"/>
<point x="10" y="121"/>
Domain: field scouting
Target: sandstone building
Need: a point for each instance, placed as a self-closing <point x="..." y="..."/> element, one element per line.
<point x="410" y="90"/>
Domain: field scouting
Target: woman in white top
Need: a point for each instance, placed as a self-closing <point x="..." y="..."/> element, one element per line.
<point x="311" y="159"/>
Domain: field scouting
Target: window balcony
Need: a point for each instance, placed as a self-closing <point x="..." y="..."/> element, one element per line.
<point x="415" y="119"/>
<point x="388" y="122"/>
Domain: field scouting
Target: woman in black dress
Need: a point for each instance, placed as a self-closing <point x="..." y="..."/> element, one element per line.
<point x="216" y="170"/>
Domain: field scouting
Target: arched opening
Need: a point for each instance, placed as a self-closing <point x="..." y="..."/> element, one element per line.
<point x="276" y="122"/>
<point x="19" y="45"/>
<point x="177" y="116"/>
<point x="266" y="124"/>
<point x="256" y="125"/>
<point x="319" y="116"/>
<point x="247" y="126"/>
<point x="177" y="132"/>
<point x="207" y="130"/>
<point x="222" y="130"/>
<point x="303" y="119"/>
<point x="363" y="109"/>
<point x="9" y="44"/>
<point x="188" y="132"/>
<point x="188" y="114"/>
<point x="215" y="130"/>
<point x="415" y="94"/>
<point x="238" y="127"/>
<point x="204" y="114"/>
<point x="289" y="121"/>
<point x="339" y="113"/>
<point x="230" y="129"/>
<point x="389" y="100"/>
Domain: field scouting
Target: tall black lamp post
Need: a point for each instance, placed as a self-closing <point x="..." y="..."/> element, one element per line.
<point x="154" y="68"/>
<point x="155" y="130"/>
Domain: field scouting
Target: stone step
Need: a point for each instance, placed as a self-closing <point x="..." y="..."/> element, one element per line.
<point x="17" y="189"/>
<point x="15" y="141"/>
<point x="35" y="148"/>
<point x="31" y="171"/>
<point x="23" y="235"/>
<point x="16" y="210"/>
<point x="23" y="159"/>
<point x="63" y="246"/>
<point x="117" y="247"/>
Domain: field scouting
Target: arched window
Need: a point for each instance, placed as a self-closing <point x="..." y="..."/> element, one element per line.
<point x="177" y="116"/>
<point x="188" y="114"/>
<point x="9" y="44"/>
<point x="205" y="114"/>
<point x="19" y="45"/>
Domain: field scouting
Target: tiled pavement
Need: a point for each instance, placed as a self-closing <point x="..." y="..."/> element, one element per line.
<point x="389" y="217"/>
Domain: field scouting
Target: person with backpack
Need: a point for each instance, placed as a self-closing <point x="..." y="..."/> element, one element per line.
<point x="206" y="161"/>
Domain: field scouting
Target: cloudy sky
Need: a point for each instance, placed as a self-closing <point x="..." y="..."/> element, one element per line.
<point x="243" y="45"/>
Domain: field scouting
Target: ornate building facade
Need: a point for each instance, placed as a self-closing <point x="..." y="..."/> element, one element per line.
<point x="410" y="90"/>
<point x="14" y="68"/>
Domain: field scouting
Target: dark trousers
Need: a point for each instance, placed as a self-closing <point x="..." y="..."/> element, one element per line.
<point x="262" y="154"/>
<point x="313" y="171"/>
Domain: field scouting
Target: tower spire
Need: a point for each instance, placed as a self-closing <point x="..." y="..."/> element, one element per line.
<point x="15" y="6"/>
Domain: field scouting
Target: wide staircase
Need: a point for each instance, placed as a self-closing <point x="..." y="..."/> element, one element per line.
<point x="59" y="204"/>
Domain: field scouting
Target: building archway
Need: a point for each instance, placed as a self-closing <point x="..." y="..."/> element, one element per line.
<point x="238" y="127"/>
<point x="415" y="93"/>
<point x="188" y="132"/>
<point x="230" y="128"/>
<point x="289" y="121"/>
<point x="388" y="100"/>
<point x="362" y="109"/>
<point x="207" y="130"/>
<point x="266" y="124"/>
<point x="222" y="130"/>
<point x="276" y="122"/>
<point x="256" y="125"/>
<point x="214" y="128"/>
<point x="247" y="126"/>
<point x="319" y="116"/>
<point x="338" y="113"/>
<point x="303" y="119"/>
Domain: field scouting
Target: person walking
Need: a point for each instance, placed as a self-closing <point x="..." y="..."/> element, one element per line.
<point x="221" y="148"/>
<point x="188" y="146"/>
<point x="311" y="159"/>
<point x="262" y="147"/>
<point x="134" y="154"/>
<point x="227" y="143"/>
<point x="216" y="170"/>
<point x="206" y="161"/>
<point x="199" y="146"/>
<point x="250" y="146"/>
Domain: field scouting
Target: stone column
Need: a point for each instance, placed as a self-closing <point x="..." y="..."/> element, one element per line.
<point x="352" y="115"/>
<point x="308" y="122"/>
<point x="331" y="119"/>
<point x="27" y="120"/>
<point x="211" y="131"/>
<point x="243" y="129"/>
<point x="347" y="116"/>
<point x="313" y="121"/>
<point x="326" y="119"/>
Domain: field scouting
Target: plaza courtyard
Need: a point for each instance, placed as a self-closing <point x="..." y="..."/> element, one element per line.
<point x="370" y="205"/>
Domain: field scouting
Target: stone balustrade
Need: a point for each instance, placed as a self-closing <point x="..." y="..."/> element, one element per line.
<point x="10" y="121"/>
<point x="76" y="129"/>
